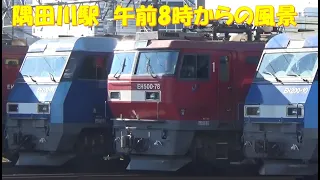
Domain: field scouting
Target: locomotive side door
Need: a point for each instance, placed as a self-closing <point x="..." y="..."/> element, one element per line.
<point x="195" y="85"/>
<point x="225" y="89"/>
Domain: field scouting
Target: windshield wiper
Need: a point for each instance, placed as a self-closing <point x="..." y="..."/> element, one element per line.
<point x="30" y="77"/>
<point x="275" y="77"/>
<point x="52" y="77"/>
<point x="122" y="69"/>
<point x="149" y="67"/>
<point x="296" y="75"/>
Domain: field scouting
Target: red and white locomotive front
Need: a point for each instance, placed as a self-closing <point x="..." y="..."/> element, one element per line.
<point x="142" y="89"/>
<point x="141" y="80"/>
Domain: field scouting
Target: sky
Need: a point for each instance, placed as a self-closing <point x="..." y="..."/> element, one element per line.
<point x="234" y="4"/>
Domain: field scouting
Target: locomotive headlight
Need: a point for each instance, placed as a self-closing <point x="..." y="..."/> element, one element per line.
<point x="43" y="108"/>
<point x="152" y="96"/>
<point x="252" y="111"/>
<point x="12" y="108"/>
<point x="294" y="111"/>
<point x="114" y="95"/>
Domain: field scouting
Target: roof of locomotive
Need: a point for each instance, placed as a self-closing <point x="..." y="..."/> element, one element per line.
<point x="191" y="44"/>
<point x="89" y="44"/>
<point x="8" y="49"/>
<point x="287" y="41"/>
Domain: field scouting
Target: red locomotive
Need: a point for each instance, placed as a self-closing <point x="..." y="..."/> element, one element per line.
<point x="13" y="52"/>
<point x="179" y="101"/>
<point x="12" y="58"/>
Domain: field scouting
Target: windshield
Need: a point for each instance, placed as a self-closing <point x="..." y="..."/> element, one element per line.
<point x="122" y="63"/>
<point x="44" y="66"/>
<point x="157" y="62"/>
<point x="298" y="65"/>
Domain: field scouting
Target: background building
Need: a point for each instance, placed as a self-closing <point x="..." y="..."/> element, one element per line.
<point x="17" y="32"/>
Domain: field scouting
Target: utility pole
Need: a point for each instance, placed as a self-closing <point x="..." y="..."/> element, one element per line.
<point x="156" y="5"/>
<point x="12" y="28"/>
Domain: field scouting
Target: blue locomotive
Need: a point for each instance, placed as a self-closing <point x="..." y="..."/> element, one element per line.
<point x="281" y="108"/>
<point x="57" y="108"/>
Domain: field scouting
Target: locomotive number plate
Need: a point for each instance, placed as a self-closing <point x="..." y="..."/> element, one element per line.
<point x="295" y="90"/>
<point x="148" y="86"/>
<point x="46" y="89"/>
<point x="203" y="123"/>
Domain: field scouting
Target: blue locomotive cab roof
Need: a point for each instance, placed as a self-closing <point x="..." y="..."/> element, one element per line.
<point x="47" y="58"/>
<point x="311" y="42"/>
<point x="90" y="44"/>
<point x="282" y="41"/>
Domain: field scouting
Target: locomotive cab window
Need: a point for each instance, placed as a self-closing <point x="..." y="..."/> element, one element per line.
<point x="157" y="63"/>
<point x="288" y="66"/>
<point x="203" y="66"/>
<point x="122" y="63"/>
<point x="70" y="68"/>
<point x="93" y="68"/>
<point x="253" y="60"/>
<point x="189" y="65"/>
<point x="12" y="62"/>
<point x="48" y="67"/>
<point x="224" y="69"/>
<point x="195" y="67"/>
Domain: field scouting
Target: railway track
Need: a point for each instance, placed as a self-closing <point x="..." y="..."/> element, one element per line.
<point x="131" y="176"/>
<point x="67" y="176"/>
<point x="73" y="167"/>
<point x="49" y="173"/>
<point x="44" y="173"/>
